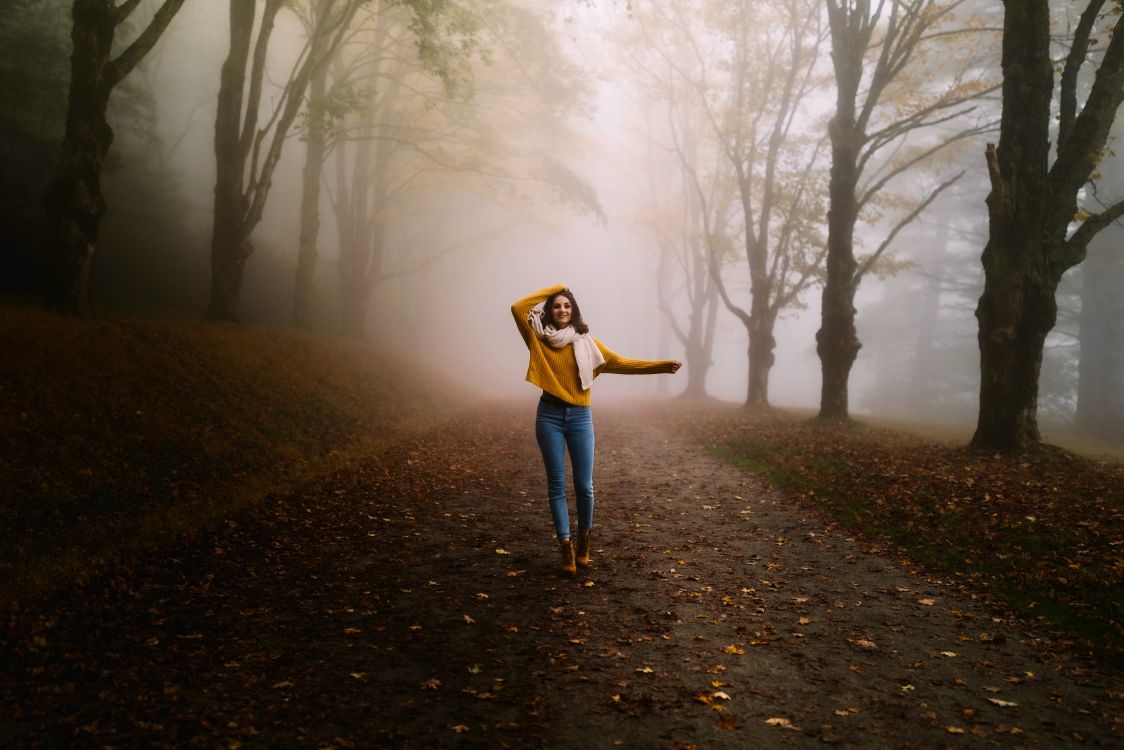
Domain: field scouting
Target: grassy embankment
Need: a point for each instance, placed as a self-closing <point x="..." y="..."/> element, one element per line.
<point x="1042" y="534"/>
<point x="119" y="435"/>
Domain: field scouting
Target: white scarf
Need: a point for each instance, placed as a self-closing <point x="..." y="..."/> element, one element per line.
<point x="586" y="352"/>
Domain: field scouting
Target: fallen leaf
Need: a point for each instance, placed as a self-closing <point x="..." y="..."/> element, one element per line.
<point x="1000" y="702"/>
<point x="720" y="695"/>
<point x="469" y="620"/>
<point x="282" y="684"/>
<point x="431" y="684"/>
<point x="927" y="602"/>
<point x="474" y="669"/>
<point x="499" y="551"/>
<point x="458" y="728"/>
<point x="645" y="670"/>
<point x="954" y="729"/>
<point x="783" y="723"/>
<point x="732" y="649"/>
<point x="949" y="654"/>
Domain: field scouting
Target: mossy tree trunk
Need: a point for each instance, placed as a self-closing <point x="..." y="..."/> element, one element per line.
<point x="1031" y="207"/>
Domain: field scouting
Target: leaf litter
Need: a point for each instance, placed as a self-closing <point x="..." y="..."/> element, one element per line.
<point x="652" y="655"/>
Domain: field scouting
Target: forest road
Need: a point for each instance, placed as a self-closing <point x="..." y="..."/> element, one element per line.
<point x="412" y="600"/>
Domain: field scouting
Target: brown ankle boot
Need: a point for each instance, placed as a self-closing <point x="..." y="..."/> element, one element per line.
<point x="582" y="558"/>
<point x="567" y="549"/>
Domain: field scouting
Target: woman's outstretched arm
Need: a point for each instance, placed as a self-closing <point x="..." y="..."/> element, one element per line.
<point x="619" y="365"/>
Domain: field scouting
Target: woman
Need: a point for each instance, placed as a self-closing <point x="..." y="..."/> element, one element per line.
<point x="564" y="361"/>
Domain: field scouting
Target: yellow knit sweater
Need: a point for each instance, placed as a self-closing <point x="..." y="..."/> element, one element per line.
<point x="556" y="370"/>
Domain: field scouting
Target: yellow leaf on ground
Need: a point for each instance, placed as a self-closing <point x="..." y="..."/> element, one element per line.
<point x="732" y="649"/>
<point x="999" y="702"/>
<point x="783" y="723"/>
<point x="954" y="730"/>
<point x="927" y="602"/>
<point x="458" y="728"/>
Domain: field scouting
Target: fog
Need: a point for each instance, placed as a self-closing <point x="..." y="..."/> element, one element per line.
<point x="530" y="161"/>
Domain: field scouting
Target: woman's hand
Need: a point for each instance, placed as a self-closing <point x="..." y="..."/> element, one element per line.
<point x="675" y="365"/>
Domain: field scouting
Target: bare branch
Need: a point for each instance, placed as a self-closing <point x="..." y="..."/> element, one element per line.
<point x="874" y="189"/>
<point x="1076" y="245"/>
<point x="140" y="47"/>
<point x="1073" y="62"/>
<point x="866" y="265"/>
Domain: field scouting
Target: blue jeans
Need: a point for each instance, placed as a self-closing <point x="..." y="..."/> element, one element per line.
<point x="559" y="428"/>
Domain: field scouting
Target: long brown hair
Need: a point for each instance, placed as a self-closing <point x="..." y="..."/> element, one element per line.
<point x="575" y="312"/>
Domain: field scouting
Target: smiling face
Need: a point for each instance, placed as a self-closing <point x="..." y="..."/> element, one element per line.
<point x="561" y="311"/>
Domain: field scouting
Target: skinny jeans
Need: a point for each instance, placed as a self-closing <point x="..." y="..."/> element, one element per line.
<point x="560" y="429"/>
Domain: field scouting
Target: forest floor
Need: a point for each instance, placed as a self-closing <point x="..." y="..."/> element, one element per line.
<point x="412" y="599"/>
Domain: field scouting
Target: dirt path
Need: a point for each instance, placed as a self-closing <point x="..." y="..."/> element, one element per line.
<point x="412" y="601"/>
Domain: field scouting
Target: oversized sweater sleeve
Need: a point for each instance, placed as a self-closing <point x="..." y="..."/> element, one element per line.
<point x="619" y="365"/>
<point x="520" y="309"/>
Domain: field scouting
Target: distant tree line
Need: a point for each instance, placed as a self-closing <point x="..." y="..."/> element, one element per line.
<point x="766" y="193"/>
<point x="915" y="82"/>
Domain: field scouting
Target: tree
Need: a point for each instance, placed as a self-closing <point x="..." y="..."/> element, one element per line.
<point x="449" y="106"/>
<point x="1033" y="204"/>
<point x="73" y="200"/>
<point x="315" y="150"/>
<point x="879" y="105"/>
<point x="248" y="147"/>
<point x="751" y="85"/>
<point x="685" y="257"/>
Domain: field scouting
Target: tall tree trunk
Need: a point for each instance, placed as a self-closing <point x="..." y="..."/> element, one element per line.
<point x="230" y="245"/>
<point x="837" y="341"/>
<point x="699" y="348"/>
<point x="73" y="198"/>
<point x="73" y="201"/>
<point x="1017" y="308"/>
<point x="761" y="341"/>
<point x="307" y="250"/>
<point x="1032" y="205"/>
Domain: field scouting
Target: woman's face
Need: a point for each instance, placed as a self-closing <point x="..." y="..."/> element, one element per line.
<point x="561" y="310"/>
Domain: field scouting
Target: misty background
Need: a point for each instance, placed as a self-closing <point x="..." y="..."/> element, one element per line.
<point x="541" y="143"/>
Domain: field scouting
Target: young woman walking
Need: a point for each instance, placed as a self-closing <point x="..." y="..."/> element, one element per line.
<point x="564" y="361"/>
